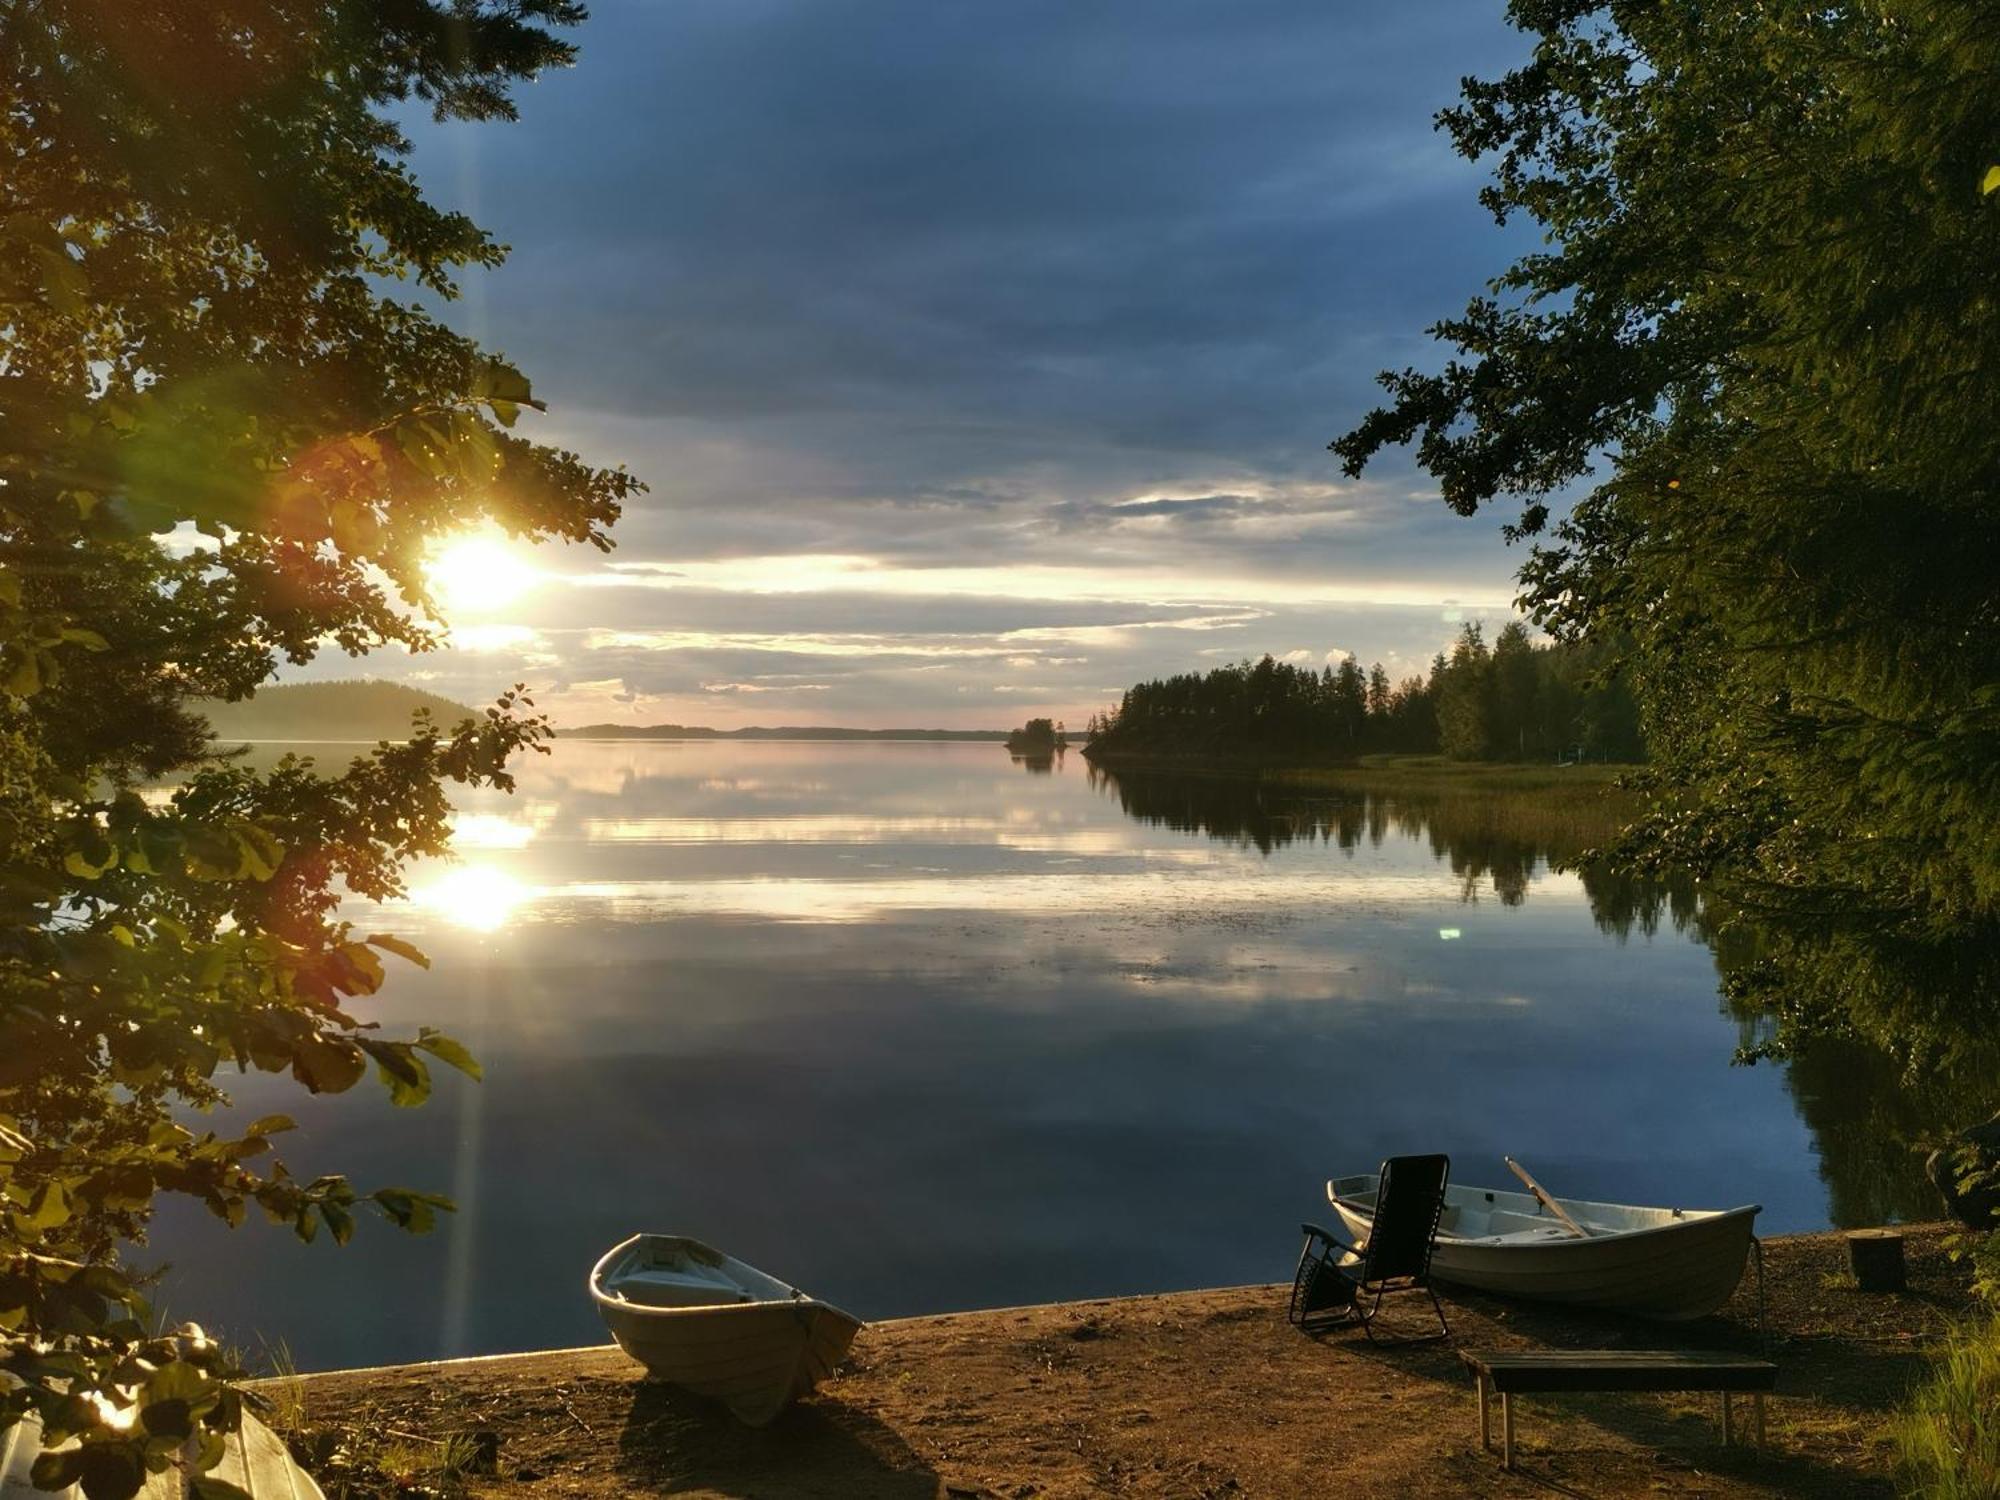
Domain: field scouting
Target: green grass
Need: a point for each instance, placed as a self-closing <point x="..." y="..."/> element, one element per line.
<point x="283" y="1389"/>
<point x="1565" y="809"/>
<point x="1434" y="773"/>
<point x="1949" y="1438"/>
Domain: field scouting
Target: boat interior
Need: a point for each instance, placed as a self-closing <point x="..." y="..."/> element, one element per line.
<point x="669" y="1271"/>
<point x="1472" y="1213"/>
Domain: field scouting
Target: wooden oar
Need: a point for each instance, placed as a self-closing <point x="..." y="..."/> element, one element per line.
<point x="1545" y="1200"/>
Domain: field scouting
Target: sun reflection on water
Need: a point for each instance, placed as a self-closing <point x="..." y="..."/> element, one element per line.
<point x="478" y="897"/>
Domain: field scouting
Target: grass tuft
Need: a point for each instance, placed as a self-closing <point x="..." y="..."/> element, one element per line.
<point x="1949" y="1438"/>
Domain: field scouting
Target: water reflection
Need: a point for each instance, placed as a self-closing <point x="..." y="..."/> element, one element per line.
<point x="1502" y="856"/>
<point x="477" y="897"/>
<point x="920" y="1031"/>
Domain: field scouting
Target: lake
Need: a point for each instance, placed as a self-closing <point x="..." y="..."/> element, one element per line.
<point x="920" y="1027"/>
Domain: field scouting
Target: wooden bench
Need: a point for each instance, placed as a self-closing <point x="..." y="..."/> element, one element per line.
<point x="1553" y="1371"/>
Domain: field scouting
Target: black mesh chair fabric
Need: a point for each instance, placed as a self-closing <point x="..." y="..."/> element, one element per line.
<point x="1408" y="1203"/>
<point x="1339" y="1284"/>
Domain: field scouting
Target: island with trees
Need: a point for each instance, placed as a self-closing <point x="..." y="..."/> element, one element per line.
<point x="1038" y="739"/>
<point x="1515" y="701"/>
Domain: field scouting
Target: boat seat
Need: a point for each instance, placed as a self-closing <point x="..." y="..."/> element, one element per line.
<point x="1553" y="1371"/>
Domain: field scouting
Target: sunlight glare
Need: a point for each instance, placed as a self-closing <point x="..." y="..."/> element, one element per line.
<point x="479" y="572"/>
<point x="478" y="897"/>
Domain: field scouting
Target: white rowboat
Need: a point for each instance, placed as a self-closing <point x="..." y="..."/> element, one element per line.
<point x="1673" y="1264"/>
<point x="710" y="1324"/>
<point x="254" y="1459"/>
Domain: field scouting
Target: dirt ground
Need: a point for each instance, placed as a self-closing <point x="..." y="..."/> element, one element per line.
<point x="1199" y="1394"/>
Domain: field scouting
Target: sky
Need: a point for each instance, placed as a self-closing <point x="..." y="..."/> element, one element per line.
<point x="981" y="358"/>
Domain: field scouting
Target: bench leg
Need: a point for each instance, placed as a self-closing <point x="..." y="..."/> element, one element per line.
<point x="1507" y="1429"/>
<point x="1757" y="1417"/>
<point x="1485" y="1416"/>
<point x="1728" y="1421"/>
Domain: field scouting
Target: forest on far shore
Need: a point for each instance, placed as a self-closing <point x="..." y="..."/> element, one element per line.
<point x="1513" y="701"/>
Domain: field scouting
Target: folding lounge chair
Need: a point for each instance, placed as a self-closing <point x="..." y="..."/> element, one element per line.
<point x="1340" y="1284"/>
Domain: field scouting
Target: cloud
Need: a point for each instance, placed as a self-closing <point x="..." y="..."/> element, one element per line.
<point x="958" y="343"/>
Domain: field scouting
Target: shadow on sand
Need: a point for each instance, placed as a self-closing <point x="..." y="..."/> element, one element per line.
<point x="1682" y="1431"/>
<point x="673" y="1442"/>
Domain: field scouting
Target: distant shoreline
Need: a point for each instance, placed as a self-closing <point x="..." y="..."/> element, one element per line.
<point x="808" y="732"/>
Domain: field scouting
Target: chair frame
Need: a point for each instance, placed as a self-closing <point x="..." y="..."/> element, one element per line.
<point x="1353" y="1265"/>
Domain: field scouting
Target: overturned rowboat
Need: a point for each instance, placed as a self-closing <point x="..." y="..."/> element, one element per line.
<point x="715" y="1326"/>
<point x="1673" y="1264"/>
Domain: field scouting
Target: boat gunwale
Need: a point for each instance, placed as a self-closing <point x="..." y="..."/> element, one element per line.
<point x="1691" y="1218"/>
<point x="606" y="1299"/>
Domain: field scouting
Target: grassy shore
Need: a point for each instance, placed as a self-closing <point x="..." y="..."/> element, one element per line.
<point x="1197" y="1394"/>
<point x="1415" y="775"/>
<point x="1563" y="808"/>
<point x="1433" y="775"/>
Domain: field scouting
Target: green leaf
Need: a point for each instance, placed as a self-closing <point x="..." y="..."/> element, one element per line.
<point x="1990" y="181"/>
<point x="328" y="1064"/>
<point x="110" y="1471"/>
<point x="81" y="865"/>
<point x="408" y="1079"/>
<point x="260" y="853"/>
<point x="48" y="1208"/>
<point x="56" y="1471"/>
<point x="448" y="1050"/>
<point x="364" y="969"/>
<point x="20" y="671"/>
<point x="416" y="1212"/>
<point x="389" y="943"/>
<point x="168" y="1419"/>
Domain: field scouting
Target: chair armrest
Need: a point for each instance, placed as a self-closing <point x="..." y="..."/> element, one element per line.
<point x="1312" y="1230"/>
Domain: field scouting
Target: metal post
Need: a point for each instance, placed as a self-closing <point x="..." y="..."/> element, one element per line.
<point x="1728" y="1421"/>
<point x="1506" y="1429"/>
<point x="1757" y="1417"/>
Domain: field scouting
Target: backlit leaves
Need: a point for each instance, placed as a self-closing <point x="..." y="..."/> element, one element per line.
<point x="193" y="342"/>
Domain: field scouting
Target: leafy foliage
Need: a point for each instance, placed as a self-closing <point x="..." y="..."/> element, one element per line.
<point x="198" y="205"/>
<point x="1763" y="326"/>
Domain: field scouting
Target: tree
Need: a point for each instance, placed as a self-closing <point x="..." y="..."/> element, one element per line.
<point x="1516" y="696"/>
<point x="1348" y="705"/>
<point x="200" y="204"/>
<point x="1379" y="692"/>
<point x="1464" y="694"/>
<point x="1762" y="326"/>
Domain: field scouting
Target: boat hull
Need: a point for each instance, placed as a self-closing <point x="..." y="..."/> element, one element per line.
<point x="1666" y="1264"/>
<point x="254" y="1459"/>
<point x="755" y="1357"/>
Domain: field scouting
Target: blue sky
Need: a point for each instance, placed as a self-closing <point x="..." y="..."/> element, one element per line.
<point x="982" y="358"/>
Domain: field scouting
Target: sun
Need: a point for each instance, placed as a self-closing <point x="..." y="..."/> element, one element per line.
<point x="476" y="573"/>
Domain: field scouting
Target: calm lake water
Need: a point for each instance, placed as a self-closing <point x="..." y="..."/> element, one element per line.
<point x="921" y="1029"/>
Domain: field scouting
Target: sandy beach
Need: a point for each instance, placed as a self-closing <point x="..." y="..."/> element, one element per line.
<point x="1191" y="1394"/>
